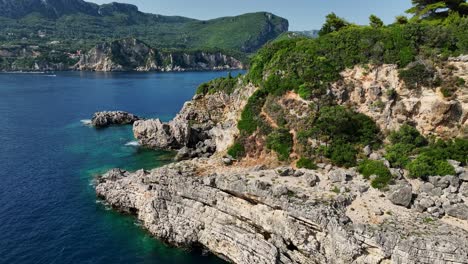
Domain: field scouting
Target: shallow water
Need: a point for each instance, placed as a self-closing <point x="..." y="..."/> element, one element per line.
<point x="48" y="158"/>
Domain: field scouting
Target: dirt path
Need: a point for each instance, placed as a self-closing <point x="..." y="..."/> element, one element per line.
<point x="268" y="118"/>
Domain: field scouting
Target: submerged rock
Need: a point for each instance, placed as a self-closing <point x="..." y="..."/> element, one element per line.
<point x="108" y="118"/>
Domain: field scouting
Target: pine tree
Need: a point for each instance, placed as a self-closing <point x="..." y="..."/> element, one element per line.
<point x="430" y="8"/>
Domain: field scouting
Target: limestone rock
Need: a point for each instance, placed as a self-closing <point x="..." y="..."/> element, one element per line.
<point x="256" y="221"/>
<point x="108" y="118"/>
<point x="401" y="195"/>
<point x="459" y="211"/>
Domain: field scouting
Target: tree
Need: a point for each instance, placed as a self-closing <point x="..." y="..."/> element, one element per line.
<point x="401" y="20"/>
<point x="431" y="8"/>
<point x="333" y="23"/>
<point x="375" y="21"/>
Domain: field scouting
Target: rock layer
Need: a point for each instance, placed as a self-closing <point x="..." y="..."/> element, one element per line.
<point x="250" y="216"/>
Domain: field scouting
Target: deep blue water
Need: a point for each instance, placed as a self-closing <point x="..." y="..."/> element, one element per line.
<point x="48" y="208"/>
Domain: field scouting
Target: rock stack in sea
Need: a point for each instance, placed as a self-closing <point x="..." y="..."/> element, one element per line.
<point x="108" y="118"/>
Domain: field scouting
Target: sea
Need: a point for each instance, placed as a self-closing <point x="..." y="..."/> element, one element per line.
<point x="49" y="157"/>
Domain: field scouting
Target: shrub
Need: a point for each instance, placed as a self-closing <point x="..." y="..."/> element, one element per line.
<point x="418" y="74"/>
<point x="333" y="23"/>
<point x="401" y="20"/>
<point x="342" y="153"/>
<point x="250" y="117"/>
<point x="425" y="165"/>
<point x="373" y="167"/>
<point x="236" y="151"/>
<point x="280" y="141"/>
<point x="339" y="123"/>
<point x="398" y="154"/>
<point x="448" y="91"/>
<point x="225" y="84"/>
<point x="407" y="135"/>
<point x="306" y="164"/>
<point x="456" y="149"/>
<point x="375" y="21"/>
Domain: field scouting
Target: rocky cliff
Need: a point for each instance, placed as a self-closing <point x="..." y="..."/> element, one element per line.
<point x="206" y="124"/>
<point x="134" y="55"/>
<point x="252" y="215"/>
<point x="256" y="212"/>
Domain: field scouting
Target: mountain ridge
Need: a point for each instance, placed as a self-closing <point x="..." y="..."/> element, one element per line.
<point x="77" y="24"/>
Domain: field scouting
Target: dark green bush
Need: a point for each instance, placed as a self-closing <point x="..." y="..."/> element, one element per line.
<point x="408" y="135"/>
<point x="236" y="151"/>
<point x="341" y="153"/>
<point x="398" y="154"/>
<point x="425" y="165"/>
<point x="280" y="141"/>
<point x="338" y="123"/>
<point x="250" y="117"/>
<point x="418" y="74"/>
<point x="374" y="167"/>
<point x="224" y="84"/>
<point x="306" y="164"/>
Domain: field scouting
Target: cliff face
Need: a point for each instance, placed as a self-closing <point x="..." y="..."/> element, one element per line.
<point x="248" y="213"/>
<point x="252" y="215"/>
<point x="208" y="123"/>
<point x="382" y="95"/>
<point x="134" y="55"/>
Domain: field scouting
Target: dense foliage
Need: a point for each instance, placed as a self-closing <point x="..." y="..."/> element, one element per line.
<point x="436" y="8"/>
<point x="410" y="150"/>
<point x="79" y="30"/>
<point x="236" y="151"/>
<point x="280" y="141"/>
<point x="309" y="67"/>
<point x="306" y="163"/>
<point x="224" y="84"/>
<point x="373" y="167"/>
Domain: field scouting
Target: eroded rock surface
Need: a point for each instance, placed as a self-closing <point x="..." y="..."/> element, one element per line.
<point x="256" y="216"/>
<point x="108" y="118"/>
<point x="206" y="124"/>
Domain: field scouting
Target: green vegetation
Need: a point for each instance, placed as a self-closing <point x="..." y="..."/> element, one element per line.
<point x="280" y="141"/>
<point x="250" y="119"/>
<point x="82" y="29"/>
<point x="224" y="84"/>
<point x="306" y="163"/>
<point x="375" y="21"/>
<point x="333" y="23"/>
<point x="435" y="8"/>
<point x="425" y="165"/>
<point x="372" y="167"/>
<point x="431" y="157"/>
<point x="418" y="74"/>
<point x="309" y="67"/>
<point x="236" y="151"/>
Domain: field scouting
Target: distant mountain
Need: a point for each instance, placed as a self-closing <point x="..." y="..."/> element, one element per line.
<point x="76" y="24"/>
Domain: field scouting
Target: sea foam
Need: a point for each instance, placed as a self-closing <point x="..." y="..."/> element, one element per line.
<point x="133" y="144"/>
<point x="86" y="122"/>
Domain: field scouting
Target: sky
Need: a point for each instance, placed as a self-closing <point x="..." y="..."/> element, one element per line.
<point x="302" y="14"/>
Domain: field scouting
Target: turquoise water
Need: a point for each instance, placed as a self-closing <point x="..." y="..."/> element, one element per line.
<point x="48" y="158"/>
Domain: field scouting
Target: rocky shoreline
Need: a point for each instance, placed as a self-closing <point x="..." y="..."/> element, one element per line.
<point x="260" y="210"/>
<point x="252" y="215"/>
